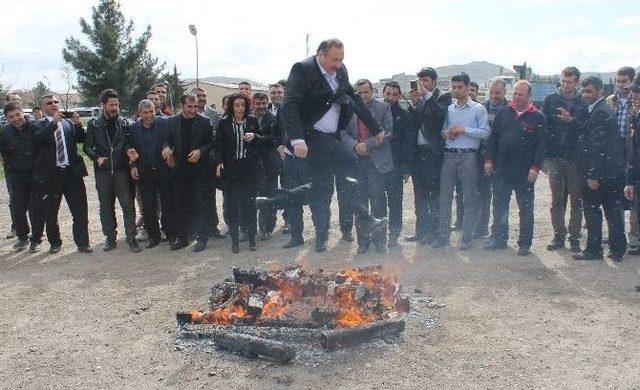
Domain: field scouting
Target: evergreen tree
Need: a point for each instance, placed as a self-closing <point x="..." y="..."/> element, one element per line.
<point x="175" y="90"/>
<point x="38" y="92"/>
<point x="148" y="75"/>
<point x="115" y="58"/>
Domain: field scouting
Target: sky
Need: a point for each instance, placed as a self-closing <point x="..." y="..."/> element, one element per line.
<point x="260" y="40"/>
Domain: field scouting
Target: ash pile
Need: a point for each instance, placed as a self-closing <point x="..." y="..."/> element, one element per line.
<point x="275" y="314"/>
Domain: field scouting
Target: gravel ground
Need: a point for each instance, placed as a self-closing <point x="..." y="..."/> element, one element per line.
<point x="501" y="321"/>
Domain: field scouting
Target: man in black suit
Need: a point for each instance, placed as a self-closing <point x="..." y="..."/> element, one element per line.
<point x="429" y="110"/>
<point x="601" y="161"/>
<point x="270" y="161"/>
<point x="147" y="137"/>
<point x="107" y="137"/>
<point x="189" y="141"/>
<point x="319" y="102"/>
<point x="58" y="171"/>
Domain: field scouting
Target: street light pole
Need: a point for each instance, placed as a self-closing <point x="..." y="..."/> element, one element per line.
<point x="194" y="32"/>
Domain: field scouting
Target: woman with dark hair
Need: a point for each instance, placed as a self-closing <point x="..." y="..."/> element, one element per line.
<point x="237" y="164"/>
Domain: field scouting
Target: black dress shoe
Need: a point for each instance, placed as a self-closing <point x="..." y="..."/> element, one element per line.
<point x="363" y="248"/>
<point x="266" y="236"/>
<point x="413" y="238"/>
<point x="235" y="246"/>
<point x="293" y="242"/>
<point x="286" y="228"/>
<point x="54" y="249"/>
<point x="588" y="256"/>
<point x="393" y="241"/>
<point x="22" y="244"/>
<point x="348" y="237"/>
<point x="85" y="249"/>
<point x="617" y="257"/>
<point x="11" y="234"/>
<point x="524" y="251"/>
<point x="252" y="244"/>
<point x="178" y="244"/>
<point x="200" y="246"/>
<point x="374" y="225"/>
<point x="152" y="244"/>
<point x="634" y="252"/>
<point x="439" y="243"/>
<point x="574" y="246"/>
<point x="134" y="246"/>
<point x="217" y="234"/>
<point x="494" y="244"/>
<point x="556" y="244"/>
<point x="321" y="245"/>
<point x="109" y="245"/>
<point x="381" y="248"/>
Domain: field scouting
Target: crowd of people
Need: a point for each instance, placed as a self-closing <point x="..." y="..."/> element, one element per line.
<point x="315" y="133"/>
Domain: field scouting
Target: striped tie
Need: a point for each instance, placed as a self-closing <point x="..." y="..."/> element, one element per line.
<point x="59" y="145"/>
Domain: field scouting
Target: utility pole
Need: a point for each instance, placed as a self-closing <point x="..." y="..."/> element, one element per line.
<point x="307" y="44"/>
<point x="194" y="32"/>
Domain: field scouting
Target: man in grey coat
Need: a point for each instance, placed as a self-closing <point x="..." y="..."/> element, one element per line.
<point x="373" y="162"/>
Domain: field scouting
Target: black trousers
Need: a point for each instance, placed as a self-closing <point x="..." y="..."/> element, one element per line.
<point x="21" y="202"/>
<point x="192" y="196"/>
<point x="426" y="192"/>
<point x="48" y="197"/>
<point x="345" y="213"/>
<point x="267" y="187"/>
<point x="329" y="158"/>
<point x="153" y="186"/>
<point x="7" y="178"/>
<point x="394" y="188"/>
<point x="609" y="196"/>
<point x="240" y="206"/>
<point x="503" y="185"/>
<point x="371" y="194"/>
<point x="294" y="174"/>
<point x="111" y="186"/>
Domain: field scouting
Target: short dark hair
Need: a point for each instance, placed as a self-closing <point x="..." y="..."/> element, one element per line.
<point x="474" y="85"/>
<point x="107" y="94"/>
<point x="327" y="44"/>
<point x="429" y="72"/>
<point x="276" y="85"/>
<point x="461" y="78"/>
<point x="283" y="82"/>
<point x="228" y="110"/>
<point x="151" y="92"/>
<point x="260" y="96"/>
<point x="6" y="98"/>
<point x="244" y="83"/>
<point x="627" y="71"/>
<point x="11" y="106"/>
<point x="47" y="96"/>
<point x="362" y="82"/>
<point x="594" y="81"/>
<point x="188" y="97"/>
<point x="571" y="71"/>
<point x="392" y="84"/>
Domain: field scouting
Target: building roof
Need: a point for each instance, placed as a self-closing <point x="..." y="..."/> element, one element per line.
<point x="225" y="85"/>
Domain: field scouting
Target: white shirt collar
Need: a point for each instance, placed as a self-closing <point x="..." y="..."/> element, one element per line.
<point x="323" y="70"/>
<point x="592" y="105"/>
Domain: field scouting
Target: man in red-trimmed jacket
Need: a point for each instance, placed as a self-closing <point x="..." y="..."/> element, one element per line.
<point x="515" y="152"/>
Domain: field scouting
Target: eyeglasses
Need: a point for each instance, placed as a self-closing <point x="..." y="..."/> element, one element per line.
<point x="52" y="102"/>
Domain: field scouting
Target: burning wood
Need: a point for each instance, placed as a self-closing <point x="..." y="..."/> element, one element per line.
<point x="344" y="308"/>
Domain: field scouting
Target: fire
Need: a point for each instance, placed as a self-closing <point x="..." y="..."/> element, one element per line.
<point x="349" y="298"/>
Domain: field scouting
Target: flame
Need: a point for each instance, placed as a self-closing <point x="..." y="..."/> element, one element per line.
<point x="274" y="307"/>
<point x="224" y="315"/>
<point x="352" y="317"/>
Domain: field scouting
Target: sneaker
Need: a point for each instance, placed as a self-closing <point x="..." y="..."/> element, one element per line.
<point x="22" y="244"/>
<point x="34" y="247"/>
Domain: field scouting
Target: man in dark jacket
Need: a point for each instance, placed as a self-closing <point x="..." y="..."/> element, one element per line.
<point x="147" y="137"/>
<point x="17" y="151"/>
<point x="402" y="141"/>
<point x="516" y="151"/>
<point x="565" y="111"/>
<point x="105" y="144"/>
<point x="58" y="171"/>
<point x="318" y="103"/>
<point x="601" y="162"/>
<point x="270" y="161"/>
<point x="189" y="142"/>
<point x="430" y="109"/>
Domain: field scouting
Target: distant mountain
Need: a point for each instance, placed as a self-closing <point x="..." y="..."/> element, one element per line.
<point x="228" y="80"/>
<point x="479" y="71"/>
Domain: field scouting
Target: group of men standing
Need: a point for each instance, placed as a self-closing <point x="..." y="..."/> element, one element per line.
<point x="324" y="133"/>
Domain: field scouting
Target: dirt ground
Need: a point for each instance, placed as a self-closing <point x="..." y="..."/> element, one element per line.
<point x="103" y="321"/>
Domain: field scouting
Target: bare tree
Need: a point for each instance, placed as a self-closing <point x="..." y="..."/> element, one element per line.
<point x="67" y="76"/>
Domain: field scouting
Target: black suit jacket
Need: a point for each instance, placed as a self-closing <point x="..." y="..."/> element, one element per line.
<point x="429" y="116"/>
<point x="225" y="147"/>
<point x="600" y="147"/>
<point x="308" y="97"/>
<point x="159" y="140"/>
<point x="45" y="144"/>
<point x="268" y="144"/>
<point x="201" y="138"/>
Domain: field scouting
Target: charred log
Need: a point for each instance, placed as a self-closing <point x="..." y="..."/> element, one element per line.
<point x="348" y="337"/>
<point x="252" y="276"/>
